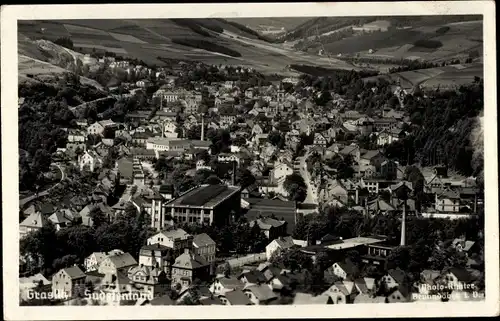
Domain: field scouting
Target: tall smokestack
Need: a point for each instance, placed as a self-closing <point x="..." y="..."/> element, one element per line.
<point x="403" y="226"/>
<point x="233" y="176"/>
<point x="202" y="127"/>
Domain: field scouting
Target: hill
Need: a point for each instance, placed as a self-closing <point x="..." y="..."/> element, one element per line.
<point x="429" y="38"/>
<point x="212" y="41"/>
<point x="273" y="27"/>
<point x="42" y="60"/>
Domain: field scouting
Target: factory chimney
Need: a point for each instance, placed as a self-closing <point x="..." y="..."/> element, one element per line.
<point x="202" y="127"/>
<point x="233" y="176"/>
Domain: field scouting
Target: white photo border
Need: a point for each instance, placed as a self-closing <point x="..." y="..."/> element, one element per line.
<point x="10" y="204"/>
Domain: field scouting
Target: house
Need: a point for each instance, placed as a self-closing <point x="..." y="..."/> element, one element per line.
<point x="222" y="284"/>
<point x="156" y="256"/>
<point x="458" y="279"/>
<point x="306" y="298"/>
<point x="343" y="270"/>
<point x="395" y="278"/>
<point x="271" y="227"/>
<point x="447" y="201"/>
<point x="205" y="247"/>
<point x="98" y="128"/>
<point x="319" y="140"/>
<point x="144" y="83"/>
<point x="64" y="218"/>
<point x="252" y="277"/>
<point x="76" y="136"/>
<point x="90" y="160"/>
<point x="29" y="284"/>
<point x="93" y="261"/>
<point x="188" y="267"/>
<point x="260" y="294"/>
<point x="278" y="245"/>
<point x="32" y="223"/>
<point x="176" y="239"/>
<point x="342" y="292"/>
<point x="281" y="171"/>
<point x="379" y="206"/>
<point x="402" y="293"/>
<point x="228" y="158"/>
<point x="236" y="297"/>
<point x="462" y="245"/>
<point x="68" y="283"/>
<point x="119" y="262"/>
<point x="87" y="213"/>
<point x="352" y="150"/>
<point x="249" y="93"/>
<point x="150" y="281"/>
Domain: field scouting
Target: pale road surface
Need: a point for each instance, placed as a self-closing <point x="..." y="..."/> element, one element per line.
<point x="28" y="199"/>
<point x="311" y="197"/>
<point x="99" y="99"/>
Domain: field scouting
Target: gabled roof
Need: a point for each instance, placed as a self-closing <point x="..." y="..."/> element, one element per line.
<point x="365" y="285"/>
<point x="348" y="266"/>
<point x="162" y="300"/>
<point x="189" y="260"/>
<point x="122" y="260"/>
<point x="253" y="276"/>
<point x="261" y="292"/>
<point x="285" y="242"/>
<point x="237" y="297"/>
<point x="74" y="272"/>
<point x="202" y="239"/>
<point x="398" y="275"/>
<point x="34" y="220"/>
<point x="230" y="282"/>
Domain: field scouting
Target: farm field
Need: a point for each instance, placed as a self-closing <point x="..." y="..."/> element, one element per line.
<point x="447" y="76"/>
<point x="149" y="39"/>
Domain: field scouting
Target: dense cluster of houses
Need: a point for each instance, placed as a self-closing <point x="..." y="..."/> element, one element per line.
<point x="174" y="259"/>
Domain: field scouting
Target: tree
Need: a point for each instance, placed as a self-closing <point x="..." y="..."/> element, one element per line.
<point x="226" y="269"/>
<point x="293" y="259"/>
<point x="274" y="138"/>
<point x="296" y="187"/>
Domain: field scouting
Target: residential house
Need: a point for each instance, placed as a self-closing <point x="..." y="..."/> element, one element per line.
<point x="342" y="292"/>
<point x="351" y="150"/>
<point x="228" y="158"/>
<point x="205" y="247"/>
<point x="144" y="83"/>
<point x="281" y="171"/>
<point x="90" y="160"/>
<point x="236" y="297"/>
<point x="379" y="206"/>
<point x="252" y="277"/>
<point x="343" y="270"/>
<point x="366" y="285"/>
<point x="176" y="239"/>
<point x="403" y="293"/>
<point x="260" y="294"/>
<point x="93" y="261"/>
<point x="64" y="218"/>
<point x="68" y="283"/>
<point x="76" y="136"/>
<point x="227" y="118"/>
<point x="458" y="278"/>
<point x="98" y="128"/>
<point x="27" y="285"/>
<point x="395" y="278"/>
<point x="157" y="256"/>
<point x="188" y="267"/>
<point x="222" y="285"/>
<point x="119" y="262"/>
<point x="149" y="281"/>
<point x="319" y="140"/>
<point x="447" y="201"/>
<point x="271" y="227"/>
<point x="278" y="245"/>
<point x="343" y="190"/>
<point x="257" y="130"/>
<point x="32" y="223"/>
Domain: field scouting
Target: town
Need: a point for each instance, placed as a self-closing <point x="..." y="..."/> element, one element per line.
<point x="198" y="184"/>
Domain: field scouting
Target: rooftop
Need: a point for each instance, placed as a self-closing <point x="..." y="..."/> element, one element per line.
<point x="353" y="242"/>
<point x="204" y="196"/>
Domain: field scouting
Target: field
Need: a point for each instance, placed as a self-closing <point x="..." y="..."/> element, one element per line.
<point x="149" y="39"/>
<point x="447" y="76"/>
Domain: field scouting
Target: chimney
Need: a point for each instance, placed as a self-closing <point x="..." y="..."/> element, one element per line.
<point x="403" y="226"/>
<point x="202" y="127"/>
<point x="233" y="176"/>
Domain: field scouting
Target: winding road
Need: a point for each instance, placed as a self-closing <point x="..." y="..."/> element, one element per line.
<point x="28" y="199"/>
